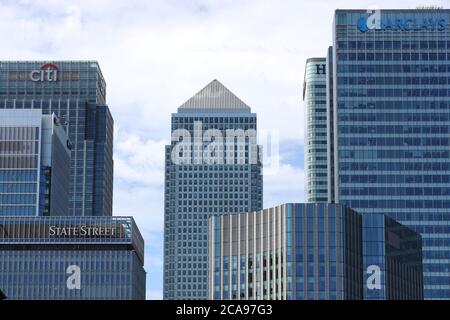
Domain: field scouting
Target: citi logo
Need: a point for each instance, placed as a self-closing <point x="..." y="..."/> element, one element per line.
<point x="48" y="72"/>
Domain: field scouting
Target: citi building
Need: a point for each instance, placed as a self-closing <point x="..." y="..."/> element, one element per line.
<point x="75" y="91"/>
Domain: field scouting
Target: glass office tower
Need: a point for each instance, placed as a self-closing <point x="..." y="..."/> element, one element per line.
<point x="397" y="251"/>
<point x="315" y="100"/>
<point x="34" y="164"/>
<point x="71" y="258"/>
<point x="312" y="251"/>
<point x="76" y="92"/>
<point x="391" y="89"/>
<point x="212" y="166"/>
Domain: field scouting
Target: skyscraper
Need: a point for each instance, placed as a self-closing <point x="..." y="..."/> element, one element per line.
<point x="75" y="92"/>
<point x="315" y="99"/>
<point x="212" y="166"/>
<point x="391" y="120"/>
<point x="71" y="258"/>
<point x="34" y="164"/>
<point x="313" y="251"/>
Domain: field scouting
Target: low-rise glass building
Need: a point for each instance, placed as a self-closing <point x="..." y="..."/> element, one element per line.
<point x="71" y="258"/>
<point x="313" y="251"/>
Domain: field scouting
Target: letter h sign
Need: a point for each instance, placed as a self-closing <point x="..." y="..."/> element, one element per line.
<point x="320" y="69"/>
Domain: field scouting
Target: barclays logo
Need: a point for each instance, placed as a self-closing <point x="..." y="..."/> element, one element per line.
<point x="376" y="22"/>
<point x="362" y="24"/>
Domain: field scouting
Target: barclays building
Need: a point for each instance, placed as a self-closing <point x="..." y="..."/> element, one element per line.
<point x="389" y="89"/>
<point x="71" y="258"/>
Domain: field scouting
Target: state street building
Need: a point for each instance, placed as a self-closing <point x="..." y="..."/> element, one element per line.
<point x="71" y="258"/>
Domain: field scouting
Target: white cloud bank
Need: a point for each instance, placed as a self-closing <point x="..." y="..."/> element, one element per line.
<point x="156" y="54"/>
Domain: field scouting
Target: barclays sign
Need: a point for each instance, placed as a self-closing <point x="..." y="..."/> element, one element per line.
<point x="376" y="22"/>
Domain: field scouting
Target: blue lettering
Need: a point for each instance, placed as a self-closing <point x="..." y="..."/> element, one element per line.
<point x="441" y="24"/>
<point x="387" y="25"/>
<point x="424" y="24"/>
<point x="410" y="24"/>
<point x="433" y="24"/>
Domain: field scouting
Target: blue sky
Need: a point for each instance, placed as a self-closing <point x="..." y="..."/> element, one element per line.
<point x="155" y="54"/>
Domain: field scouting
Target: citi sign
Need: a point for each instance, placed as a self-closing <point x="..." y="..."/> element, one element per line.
<point x="376" y="22"/>
<point x="48" y="72"/>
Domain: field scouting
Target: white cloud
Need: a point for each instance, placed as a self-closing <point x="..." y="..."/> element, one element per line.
<point x="156" y="54"/>
<point x="288" y="185"/>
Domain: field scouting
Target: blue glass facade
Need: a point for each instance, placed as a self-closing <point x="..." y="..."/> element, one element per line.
<point x="40" y="256"/>
<point x="397" y="251"/>
<point x="76" y="92"/>
<point x="391" y="87"/>
<point x="312" y="251"/>
<point x="34" y="164"/>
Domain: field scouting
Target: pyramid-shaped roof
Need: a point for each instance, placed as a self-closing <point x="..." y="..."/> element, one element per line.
<point x="215" y="97"/>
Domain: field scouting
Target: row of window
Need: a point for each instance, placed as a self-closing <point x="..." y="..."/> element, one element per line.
<point x="224" y="175"/>
<point x="395" y="117"/>
<point x="18" y="211"/>
<point x="394" y="105"/>
<point x="393" y="56"/>
<point x="393" y="154"/>
<point x="209" y="120"/>
<point x="396" y="68"/>
<point x="210" y="189"/>
<point x="206" y="169"/>
<point x="352" y="91"/>
<point x="23" y="199"/>
<point x="387" y="191"/>
<point x="394" y="166"/>
<point x="412" y="80"/>
<point x="18" y="147"/>
<point x="393" y="44"/>
<point x="218" y="209"/>
<point x="47" y="92"/>
<point x="18" y="175"/>
<point x="394" y="178"/>
<point x="394" y="129"/>
<point x="399" y="204"/>
<point x="391" y="142"/>
<point x="18" y="187"/>
<point x="19" y="133"/>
